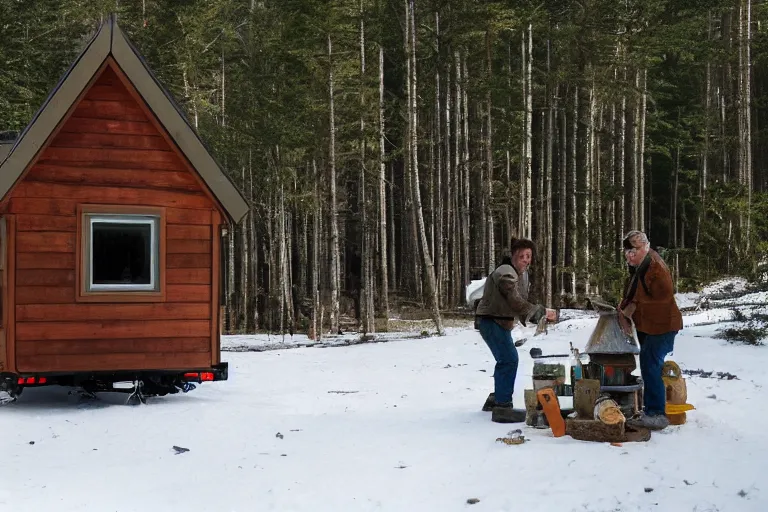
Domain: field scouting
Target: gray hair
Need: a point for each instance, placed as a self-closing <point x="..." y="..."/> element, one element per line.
<point x="634" y="236"/>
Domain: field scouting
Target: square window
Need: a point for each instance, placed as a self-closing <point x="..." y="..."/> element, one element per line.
<point x="122" y="252"/>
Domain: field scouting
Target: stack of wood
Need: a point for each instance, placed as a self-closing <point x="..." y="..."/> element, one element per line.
<point x="599" y="418"/>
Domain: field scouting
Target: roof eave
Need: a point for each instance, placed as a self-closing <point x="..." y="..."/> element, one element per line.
<point x="110" y="40"/>
<point x="178" y="128"/>
<point x="54" y="109"/>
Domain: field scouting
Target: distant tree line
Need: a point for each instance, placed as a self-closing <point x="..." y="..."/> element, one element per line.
<point x="390" y="149"/>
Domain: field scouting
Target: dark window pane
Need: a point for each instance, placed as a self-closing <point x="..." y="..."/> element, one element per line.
<point x="121" y="253"/>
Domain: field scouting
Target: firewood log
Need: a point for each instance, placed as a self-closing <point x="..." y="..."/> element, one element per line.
<point x="608" y="412"/>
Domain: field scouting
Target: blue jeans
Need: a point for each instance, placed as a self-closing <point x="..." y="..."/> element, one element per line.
<point x="499" y="340"/>
<point x="653" y="349"/>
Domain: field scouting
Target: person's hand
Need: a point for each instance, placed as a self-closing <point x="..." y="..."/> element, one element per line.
<point x="551" y="315"/>
<point x="629" y="310"/>
<point x="624" y="323"/>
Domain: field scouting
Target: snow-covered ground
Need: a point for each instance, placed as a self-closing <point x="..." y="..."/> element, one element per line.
<point x="385" y="426"/>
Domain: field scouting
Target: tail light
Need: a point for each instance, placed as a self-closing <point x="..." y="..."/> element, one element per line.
<point x="31" y="381"/>
<point x="202" y="376"/>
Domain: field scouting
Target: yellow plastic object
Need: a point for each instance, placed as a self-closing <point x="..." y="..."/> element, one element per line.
<point x="674" y="383"/>
<point x="677" y="408"/>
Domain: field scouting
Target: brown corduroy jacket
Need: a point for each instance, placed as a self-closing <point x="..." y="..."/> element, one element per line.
<point x="655" y="309"/>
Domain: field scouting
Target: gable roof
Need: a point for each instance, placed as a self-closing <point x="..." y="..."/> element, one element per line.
<point x="111" y="41"/>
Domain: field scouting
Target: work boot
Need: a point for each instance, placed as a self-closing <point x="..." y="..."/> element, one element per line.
<point x="505" y="413"/>
<point x="489" y="403"/>
<point x="651" y="422"/>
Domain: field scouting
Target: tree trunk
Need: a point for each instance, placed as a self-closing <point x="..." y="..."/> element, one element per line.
<point x="465" y="167"/>
<point x="524" y="154"/>
<point x="439" y="252"/>
<point x="597" y="202"/>
<point x="622" y="167"/>
<point x="562" y="218"/>
<point x="448" y="271"/>
<point x="489" y="160"/>
<point x="641" y="154"/>
<point x="255" y="249"/>
<point x="459" y="245"/>
<point x="383" y="242"/>
<point x="335" y="257"/>
<point x="232" y="302"/>
<point x="705" y="152"/>
<point x="529" y="137"/>
<point x="392" y="234"/>
<point x="574" y="206"/>
<point x="285" y="269"/>
<point x="366" y="290"/>
<point x="414" y="168"/>
<point x="316" y="215"/>
<point x="413" y="246"/>
<point x="588" y="192"/>
<point x="244" y="248"/>
<point x="548" y="178"/>
<point x="273" y="299"/>
<point x="748" y="118"/>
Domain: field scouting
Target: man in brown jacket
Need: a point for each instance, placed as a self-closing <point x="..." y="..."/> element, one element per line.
<point x="505" y="299"/>
<point x="649" y="300"/>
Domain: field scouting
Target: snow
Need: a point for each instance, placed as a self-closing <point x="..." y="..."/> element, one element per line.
<point x="383" y="426"/>
<point x="688" y="300"/>
<point x="726" y="285"/>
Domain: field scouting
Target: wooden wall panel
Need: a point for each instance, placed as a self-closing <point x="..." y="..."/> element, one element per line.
<point x="89" y="125"/>
<point x="189" y="246"/>
<point x="42" y="205"/>
<point x="123" y="361"/>
<point x="187" y="216"/>
<point x="96" y="329"/>
<point x="188" y="276"/>
<point x="96" y="176"/>
<point x="189" y="261"/>
<point x="112" y="195"/>
<point x="110" y="140"/>
<point x="45" y="260"/>
<point x="105" y="346"/>
<point x="109" y="152"/>
<point x="46" y="223"/>
<point x="86" y="312"/>
<point x="49" y="241"/>
<point x="45" y="294"/>
<point x="189" y="293"/>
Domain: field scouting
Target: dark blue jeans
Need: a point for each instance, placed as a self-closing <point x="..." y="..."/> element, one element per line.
<point x="499" y="340"/>
<point x="653" y="350"/>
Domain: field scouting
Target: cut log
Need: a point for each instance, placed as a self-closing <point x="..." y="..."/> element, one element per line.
<point x="585" y="394"/>
<point x="597" y="431"/>
<point x="608" y="412"/>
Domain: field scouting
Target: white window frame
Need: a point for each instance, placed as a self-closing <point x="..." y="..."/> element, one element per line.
<point x="154" y="263"/>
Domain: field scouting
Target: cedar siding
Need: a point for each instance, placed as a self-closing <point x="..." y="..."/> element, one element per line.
<point x="110" y="152"/>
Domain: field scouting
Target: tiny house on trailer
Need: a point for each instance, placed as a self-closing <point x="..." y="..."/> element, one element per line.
<point x="111" y="216"/>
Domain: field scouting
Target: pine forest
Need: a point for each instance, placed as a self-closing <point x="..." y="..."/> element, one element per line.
<point x="389" y="149"/>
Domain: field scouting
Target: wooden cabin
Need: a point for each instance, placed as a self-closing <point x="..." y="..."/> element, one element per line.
<point x="112" y="216"/>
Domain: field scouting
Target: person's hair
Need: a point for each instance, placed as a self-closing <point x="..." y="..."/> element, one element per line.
<point x="517" y="244"/>
<point x="634" y="235"/>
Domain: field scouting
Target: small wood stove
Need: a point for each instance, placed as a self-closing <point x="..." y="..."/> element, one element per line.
<point x="612" y="359"/>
